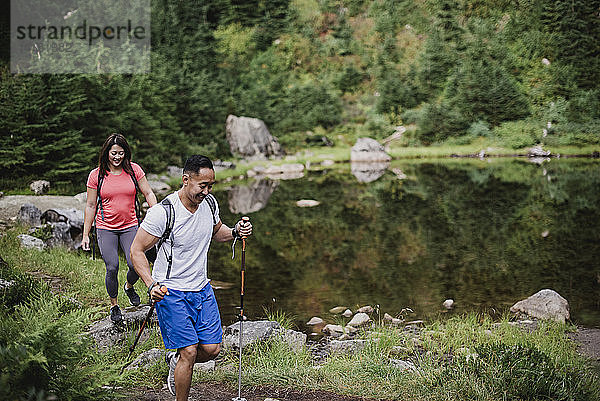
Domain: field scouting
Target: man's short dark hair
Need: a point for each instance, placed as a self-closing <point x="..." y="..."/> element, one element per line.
<point x="196" y="162"/>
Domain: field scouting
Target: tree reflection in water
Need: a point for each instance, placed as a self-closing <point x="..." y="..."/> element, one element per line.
<point x="485" y="233"/>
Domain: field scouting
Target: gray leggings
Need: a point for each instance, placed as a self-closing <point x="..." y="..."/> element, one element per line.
<point x="108" y="242"/>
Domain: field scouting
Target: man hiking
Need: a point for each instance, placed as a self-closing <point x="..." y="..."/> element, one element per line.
<point x="183" y="225"/>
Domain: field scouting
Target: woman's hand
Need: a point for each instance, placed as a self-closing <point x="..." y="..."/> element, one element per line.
<point x="85" y="242"/>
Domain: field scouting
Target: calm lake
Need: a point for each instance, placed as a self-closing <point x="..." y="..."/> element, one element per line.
<point x="486" y="233"/>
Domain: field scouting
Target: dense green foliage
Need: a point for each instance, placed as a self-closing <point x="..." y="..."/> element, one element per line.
<point x="342" y="67"/>
<point x="42" y="352"/>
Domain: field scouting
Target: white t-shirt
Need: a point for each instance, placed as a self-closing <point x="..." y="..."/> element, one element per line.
<point x="192" y="233"/>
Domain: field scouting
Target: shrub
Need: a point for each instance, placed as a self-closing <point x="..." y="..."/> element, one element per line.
<point x="18" y="292"/>
<point x="438" y="121"/>
<point x="309" y="106"/>
<point x="349" y="79"/>
<point x="41" y="351"/>
<point x="479" y="128"/>
<point x="518" y="134"/>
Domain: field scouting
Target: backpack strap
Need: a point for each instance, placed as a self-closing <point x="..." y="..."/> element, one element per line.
<point x="136" y="201"/>
<point x="168" y="233"/>
<point x="98" y="197"/>
<point x="212" y="203"/>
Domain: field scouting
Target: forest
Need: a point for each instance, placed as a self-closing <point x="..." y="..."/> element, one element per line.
<point x="521" y="71"/>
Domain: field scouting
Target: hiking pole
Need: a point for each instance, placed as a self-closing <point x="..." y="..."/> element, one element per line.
<point x="163" y="289"/>
<point x="245" y="219"/>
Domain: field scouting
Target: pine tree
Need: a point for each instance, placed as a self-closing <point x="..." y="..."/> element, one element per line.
<point x="42" y="124"/>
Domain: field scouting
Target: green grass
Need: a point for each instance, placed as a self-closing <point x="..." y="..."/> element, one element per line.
<point x="341" y="154"/>
<point x="465" y="357"/>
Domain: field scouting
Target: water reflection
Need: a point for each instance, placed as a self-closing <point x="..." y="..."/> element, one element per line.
<point x="250" y="197"/>
<point x="484" y="233"/>
<point x="368" y="172"/>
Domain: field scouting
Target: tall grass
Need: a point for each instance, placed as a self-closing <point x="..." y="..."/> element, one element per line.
<point x="466" y="357"/>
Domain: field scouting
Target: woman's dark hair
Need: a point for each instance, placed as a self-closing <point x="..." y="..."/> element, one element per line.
<point x="196" y="162"/>
<point x="115" y="139"/>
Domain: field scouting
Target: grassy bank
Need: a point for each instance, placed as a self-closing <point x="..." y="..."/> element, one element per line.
<point x="341" y="154"/>
<point x="466" y="357"/>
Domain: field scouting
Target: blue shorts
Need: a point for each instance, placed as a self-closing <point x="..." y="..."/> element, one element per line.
<point x="189" y="317"/>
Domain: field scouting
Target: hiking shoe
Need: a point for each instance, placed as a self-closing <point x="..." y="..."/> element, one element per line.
<point x="115" y="315"/>
<point x="171" y="358"/>
<point x="134" y="298"/>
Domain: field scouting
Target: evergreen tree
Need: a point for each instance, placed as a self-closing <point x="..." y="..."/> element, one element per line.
<point x="574" y="27"/>
<point x="42" y="123"/>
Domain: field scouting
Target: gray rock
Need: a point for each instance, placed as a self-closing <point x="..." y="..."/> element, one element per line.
<point x="307" y="203"/>
<point x="40" y="187"/>
<point x="314" y="321"/>
<point x="147" y="359"/>
<point x="334" y="330"/>
<point x="359" y="319"/>
<point x="546" y="304"/>
<point x="337" y="310"/>
<point x="81" y="197"/>
<point x="159" y="187"/>
<point x="402" y="365"/>
<point x="538" y="151"/>
<point x="295" y="339"/>
<point x="250" y="138"/>
<point x="347" y="313"/>
<point x="448" y="304"/>
<point x="368" y="150"/>
<point x="174" y="171"/>
<point x="220" y="165"/>
<point x="61" y="236"/>
<point x="107" y="335"/>
<point x="243" y="199"/>
<point x="30" y="215"/>
<point x="393" y="320"/>
<point x="72" y="216"/>
<point x="67" y="227"/>
<point x="253" y="332"/>
<point x="346" y="346"/>
<point x="30" y="242"/>
<point x="365" y="309"/>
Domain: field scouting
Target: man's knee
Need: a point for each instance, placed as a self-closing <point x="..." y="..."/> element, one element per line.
<point x="188" y="353"/>
<point x="207" y="352"/>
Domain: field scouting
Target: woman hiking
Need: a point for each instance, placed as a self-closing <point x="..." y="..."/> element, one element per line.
<point x="111" y="198"/>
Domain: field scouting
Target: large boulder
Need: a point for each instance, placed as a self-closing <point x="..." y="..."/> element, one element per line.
<point x="251" y="198"/>
<point x="262" y="330"/>
<point x="106" y="334"/>
<point x="39" y="187"/>
<point x="159" y="187"/>
<point x="66" y="226"/>
<point x="31" y="242"/>
<point x="368" y="150"/>
<point x="250" y="138"/>
<point x="545" y="305"/>
<point x="30" y="215"/>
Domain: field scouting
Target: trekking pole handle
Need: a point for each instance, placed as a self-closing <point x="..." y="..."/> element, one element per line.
<point x="245" y="219"/>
